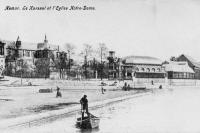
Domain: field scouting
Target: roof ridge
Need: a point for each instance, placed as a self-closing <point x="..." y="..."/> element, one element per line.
<point x="192" y="60"/>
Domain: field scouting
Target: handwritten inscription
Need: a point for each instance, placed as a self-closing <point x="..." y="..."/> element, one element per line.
<point x="49" y="8"/>
<point x="12" y="8"/>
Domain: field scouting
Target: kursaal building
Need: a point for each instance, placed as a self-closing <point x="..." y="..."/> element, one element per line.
<point x="140" y="69"/>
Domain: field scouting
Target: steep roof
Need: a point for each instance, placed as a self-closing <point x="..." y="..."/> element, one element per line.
<point x="178" y="67"/>
<point x="141" y="60"/>
<point x="30" y="46"/>
<point x="24" y="45"/>
<point x="193" y="61"/>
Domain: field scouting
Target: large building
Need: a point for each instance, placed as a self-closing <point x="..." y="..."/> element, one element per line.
<point x="179" y="70"/>
<point x="136" y="68"/>
<point x="142" y="67"/>
<point x="192" y="63"/>
<point x="18" y="52"/>
<point x="139" y="69"/>
<point x="179" y="73"/>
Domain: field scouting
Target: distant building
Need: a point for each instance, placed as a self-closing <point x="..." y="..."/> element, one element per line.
<point x="113" y="66"/>
<point x="192" y="63"/>
<point x="16" y="51"/>
<point x="142" y="67"/>
<point x="179" y="70"/>
<point x="47" y="45"/>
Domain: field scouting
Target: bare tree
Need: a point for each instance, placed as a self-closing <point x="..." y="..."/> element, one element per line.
<point x="70" y="51"/>
<point x="103" y="53"/>
<point x="87" y="51"/>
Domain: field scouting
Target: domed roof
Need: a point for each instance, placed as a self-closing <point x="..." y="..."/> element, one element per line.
<point x="141" y="60"/>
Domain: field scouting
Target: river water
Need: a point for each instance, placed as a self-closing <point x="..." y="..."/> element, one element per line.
<point x="164" y="111"/>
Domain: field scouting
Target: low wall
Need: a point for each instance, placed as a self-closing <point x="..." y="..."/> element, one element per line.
<point x="164" y="81"/>
<point x="183" y="82"/>
<point x="149" y="80"/>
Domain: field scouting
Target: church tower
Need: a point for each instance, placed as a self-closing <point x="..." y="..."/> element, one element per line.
<point x="45" y="39"/>
<point x="18" y="43"/>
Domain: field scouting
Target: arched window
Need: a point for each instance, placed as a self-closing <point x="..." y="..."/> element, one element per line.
<point x="142" y="69"/>
<point x="148" y="70"/>
<point x="158" y="69"/>
<point x="153" y="70"/>
<point x="137" y="69"/>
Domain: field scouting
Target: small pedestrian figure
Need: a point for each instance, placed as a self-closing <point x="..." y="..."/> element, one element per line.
<point x="125" y="86"/>
<point x="128" y="87"/>
<point x="102" y="90"/>
<point x="160" y="87"/>
<point x="29" y="84"/>
<point x="152" y="82"/>
<point x="58" y="94"/>
<point x="84" y="105"/>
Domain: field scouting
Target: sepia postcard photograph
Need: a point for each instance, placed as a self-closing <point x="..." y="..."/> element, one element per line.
<point x="99" y="66"/>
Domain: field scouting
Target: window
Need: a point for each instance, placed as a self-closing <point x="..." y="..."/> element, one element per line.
<point x="142" y="69"/>
<point x="137" y="69"/>
<point x="148" y="70"/>
<point x="153" y="70"/>
<point x="184" y="75"/>
<point x="158" y="69"/>
<point x="1" y="51"/>
<point x="28" y="53"/>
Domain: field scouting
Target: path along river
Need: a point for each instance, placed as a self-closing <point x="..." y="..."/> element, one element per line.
<point x="168" y="110"/>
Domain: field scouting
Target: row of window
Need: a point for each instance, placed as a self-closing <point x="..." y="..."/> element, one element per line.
<point x="147" y="70"/>
<point x="27" y="53"/>
<point x="150" y="75"/>
<point x="180" y="75"/>
<point x="1" y="50"/>
<point x="146" y="75"/>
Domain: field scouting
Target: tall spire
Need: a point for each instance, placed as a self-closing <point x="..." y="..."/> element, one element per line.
<point x="45" y="39"/>
<point x="18" y="39"/>
<point x="18" y="43"/>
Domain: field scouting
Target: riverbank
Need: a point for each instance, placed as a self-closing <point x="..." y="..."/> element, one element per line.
<point x="45" y="116"/>
<point x="20" y="102"/>
<point x="169" y="110"/>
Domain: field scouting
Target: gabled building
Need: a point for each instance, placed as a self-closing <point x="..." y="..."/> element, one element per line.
<point x="178" y="70"/>
<point x="18" y="49"/>
<point x="192" y="63"/>
<point x="19" y="52"/>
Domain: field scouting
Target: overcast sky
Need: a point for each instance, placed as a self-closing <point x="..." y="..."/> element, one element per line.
<point x="158" y="28"/>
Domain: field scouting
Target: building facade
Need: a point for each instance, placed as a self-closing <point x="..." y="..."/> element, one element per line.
<point x="114" y="66"/>
<point x="179" y="70"/>
<point x="192" y="64"/>
<point x="20" y="53"/>
<point x="142" y="67"/>
<point x="179" y="73"/>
